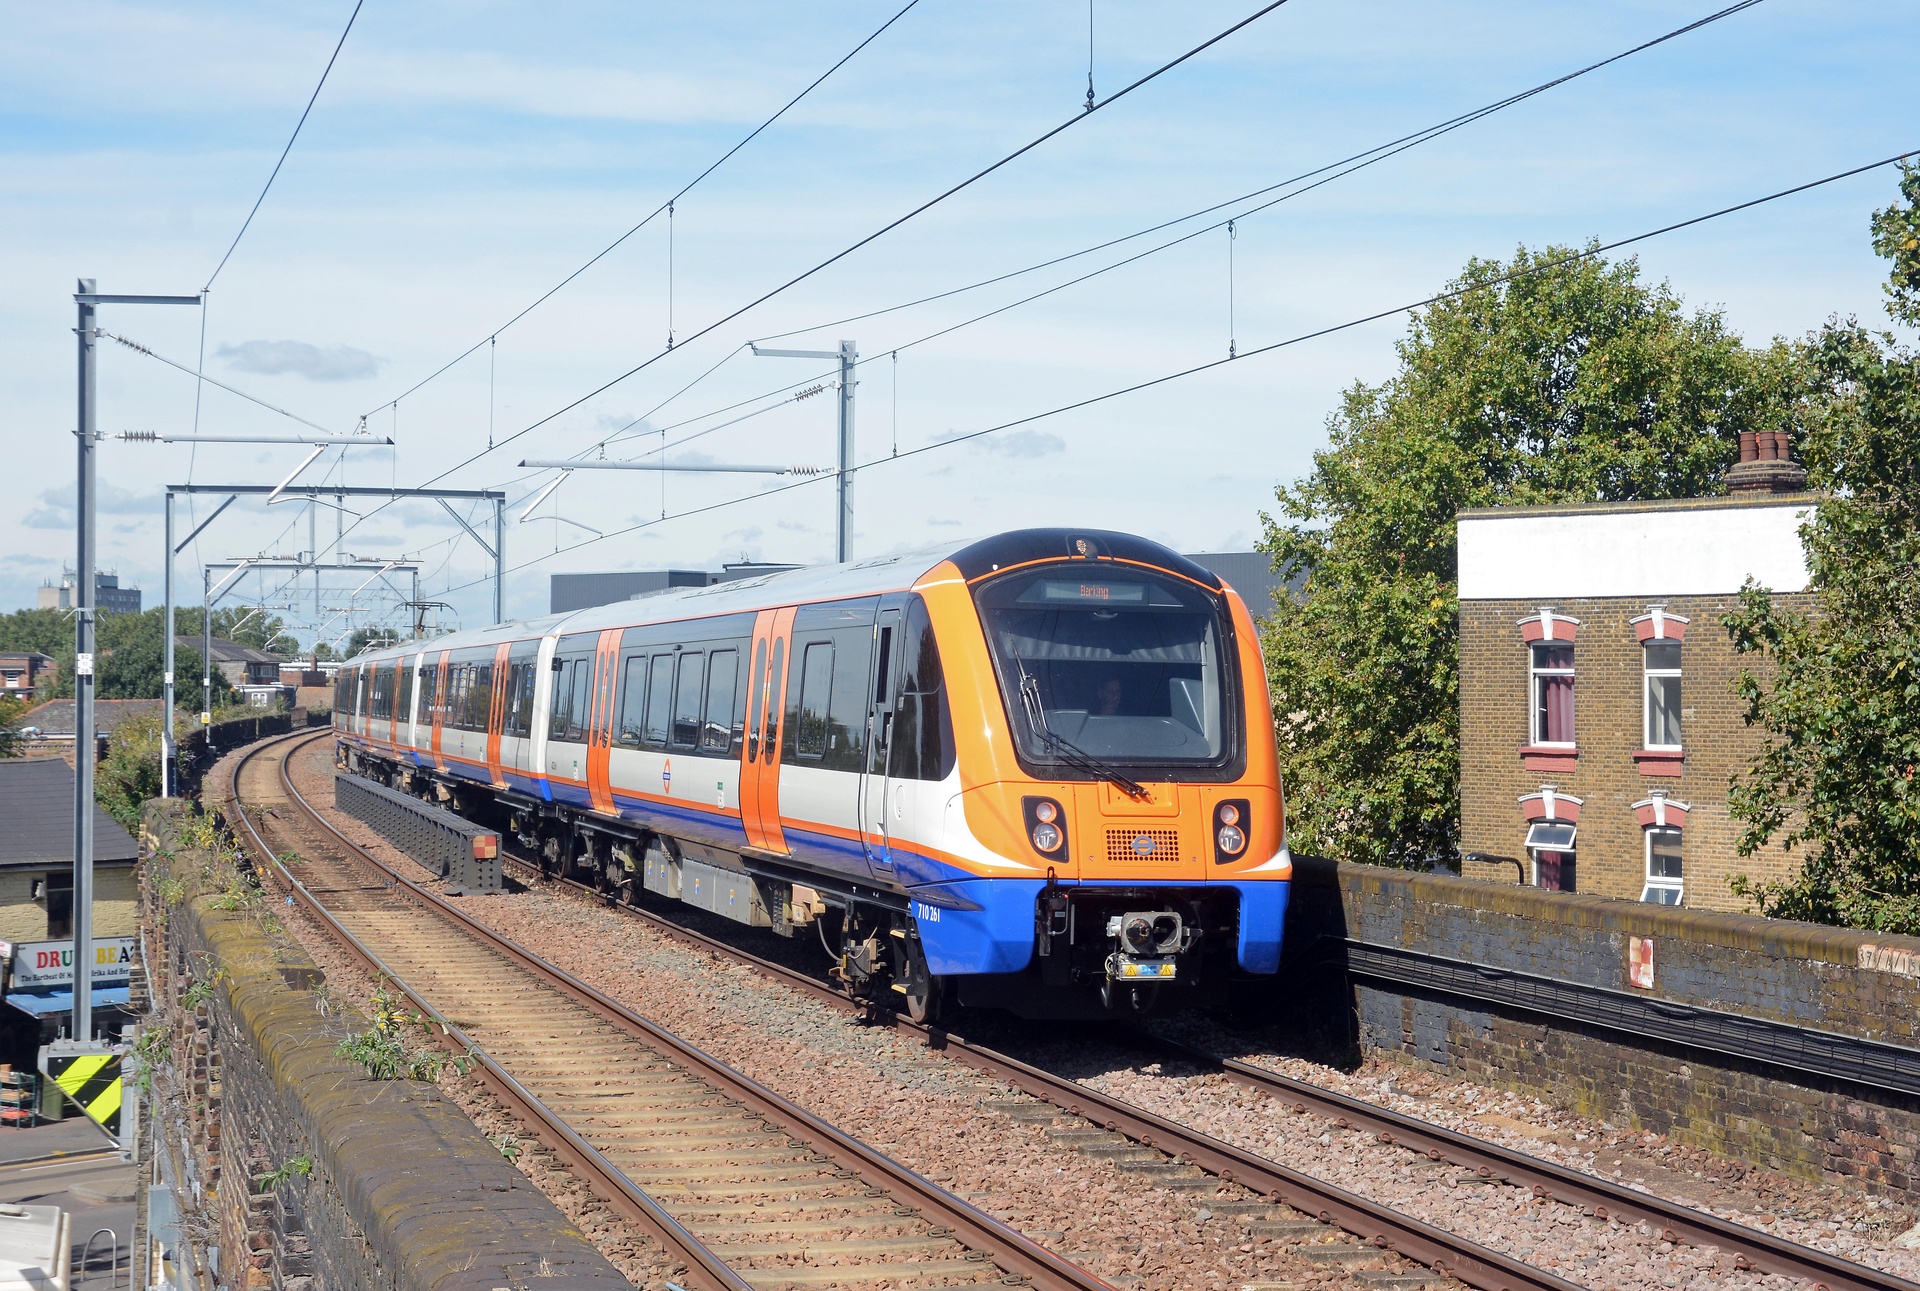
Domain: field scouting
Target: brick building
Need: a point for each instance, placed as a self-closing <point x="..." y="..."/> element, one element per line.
<point x="23" y="673"/>
<point x="1598" y="726"/>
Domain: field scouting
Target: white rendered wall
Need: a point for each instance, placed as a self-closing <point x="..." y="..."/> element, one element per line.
<point x="1701" y="551"/>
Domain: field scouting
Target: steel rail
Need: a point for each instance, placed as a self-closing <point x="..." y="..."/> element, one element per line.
<point x="705" y="1269"/>
<point x="1674" y="1221"/>
<point x="1388" y="1229"/>
<point x="1011" y="1250"/>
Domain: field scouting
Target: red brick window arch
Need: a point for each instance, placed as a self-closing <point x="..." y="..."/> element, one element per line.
<point x="1661" y="636"/>
<point x="1662" y="823"/>
<point x="1553" y="835"/>
<point x="1549" y="639"/>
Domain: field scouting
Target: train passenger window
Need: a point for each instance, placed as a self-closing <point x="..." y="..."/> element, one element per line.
<point x="561" y="706"/>
<point x="481" y="711"/>
<point x="405" y="712"/>
<point x="580" y="709"/>
<point x="816" y="694"/>
<point x="716" y="732"/>
<point x="756" y="686"/>
<point x="653" y="733"/>
<point x="633" y="699"/>
<point x="686" y="701"/>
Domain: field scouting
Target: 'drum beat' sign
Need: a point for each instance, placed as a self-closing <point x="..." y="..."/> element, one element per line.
<point x="41" y="964"/>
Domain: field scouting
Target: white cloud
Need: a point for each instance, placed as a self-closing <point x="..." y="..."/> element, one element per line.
<point x="1024" y="443"/>
<point x="279" y="358"/>
<point x="56" y="509"/>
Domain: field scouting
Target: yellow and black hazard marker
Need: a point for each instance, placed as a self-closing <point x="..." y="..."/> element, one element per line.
<point x="91" y="1080"/>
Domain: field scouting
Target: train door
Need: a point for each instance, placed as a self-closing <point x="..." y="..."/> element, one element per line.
<point x="497" y="715"/>
<point x="760" y="754"/>
<point x="874" y="831"/>
<point x="606" y="663"/>
<point x="439" y="667"/>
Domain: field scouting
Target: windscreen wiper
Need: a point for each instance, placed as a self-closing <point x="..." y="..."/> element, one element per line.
<point x="1066" y="750"/>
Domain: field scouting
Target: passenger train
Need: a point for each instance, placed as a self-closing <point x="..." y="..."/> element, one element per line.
<point x="1036" y="772"/>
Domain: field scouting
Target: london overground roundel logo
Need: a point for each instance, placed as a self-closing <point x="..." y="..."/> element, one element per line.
<point x="1143" y="844"/>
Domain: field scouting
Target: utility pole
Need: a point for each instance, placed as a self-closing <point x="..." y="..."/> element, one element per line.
<point x="86" y="300"/>
<point x="848" y="357"/>
<point x="83" y="683"/>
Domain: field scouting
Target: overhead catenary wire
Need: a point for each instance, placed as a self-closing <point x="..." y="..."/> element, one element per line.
<point x="1322" y="175"/>
<point x="138" y="348"/>
<point x="1539" y="267"/>
<point x="1351" y="163"/>
<point x="311" y="100"/>
<point x="884" y="229"/>
<point x="665" y="206"/>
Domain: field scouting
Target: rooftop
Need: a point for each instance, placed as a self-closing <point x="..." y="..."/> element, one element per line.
<point x="36" y="801"/>
<point x="55" y="717"/>
<point x="225" y="651"/>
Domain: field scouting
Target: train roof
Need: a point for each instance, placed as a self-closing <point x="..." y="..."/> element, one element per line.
<point x="895" y="571"/>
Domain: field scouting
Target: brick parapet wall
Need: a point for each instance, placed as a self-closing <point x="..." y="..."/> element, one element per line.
<point x="401" y="1189"/>
<point x="1608" y="714"/>
<point x="1853" y="983"/>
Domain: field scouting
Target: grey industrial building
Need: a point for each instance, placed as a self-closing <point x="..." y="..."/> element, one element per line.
<point x="569" y="592"/>
<point x="1248" y="572"/>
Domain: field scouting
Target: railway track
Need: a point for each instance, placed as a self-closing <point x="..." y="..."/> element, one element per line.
<point x="745" y="1188"/>
<point x="1303" y="1197"/>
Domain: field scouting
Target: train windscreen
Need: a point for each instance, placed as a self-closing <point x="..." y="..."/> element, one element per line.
<point x="1122" y="666"/>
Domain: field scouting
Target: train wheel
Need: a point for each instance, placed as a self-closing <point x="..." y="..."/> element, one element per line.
<point x="917" y="991"/>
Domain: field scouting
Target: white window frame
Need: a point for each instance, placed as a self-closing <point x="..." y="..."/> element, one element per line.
<point x="1663" y="884"/>
<point x="1647" y="674"/>
<point x="1534" y="848"/>
<point x="1535" y="676"/>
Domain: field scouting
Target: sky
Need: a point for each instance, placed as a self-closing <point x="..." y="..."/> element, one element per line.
<point x="464" y="157"/>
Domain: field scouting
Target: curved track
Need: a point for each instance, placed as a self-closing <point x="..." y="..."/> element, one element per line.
<point x="744" y="1187"/>
<point x="1379" y="1225"/>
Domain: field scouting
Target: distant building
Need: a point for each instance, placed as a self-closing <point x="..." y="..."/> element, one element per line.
<point x="1251" y="574"/>
<point x="569" y="592"/>
<point x="253" y="673"/>
<point x="22" y="673"/>
<point x="36" y="906"/>
<point x="108" y="595"/>
<point x="1598" y="726"/>
<point x="49" y="728"/>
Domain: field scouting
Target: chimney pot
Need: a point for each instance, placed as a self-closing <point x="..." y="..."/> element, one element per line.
<point x="1749" y="446"/>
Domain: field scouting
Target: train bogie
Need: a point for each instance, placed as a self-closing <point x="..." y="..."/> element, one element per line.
<point x="1035" y="772"/>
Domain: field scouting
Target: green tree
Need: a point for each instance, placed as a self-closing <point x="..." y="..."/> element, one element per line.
<point x="1840" y="700"/>
<point x="130" y="773"/>
<point x="1553" y="378"/>
<point x="43" y="630"/>
<point x="370" y="638"/>
<point x="11" y="711"/>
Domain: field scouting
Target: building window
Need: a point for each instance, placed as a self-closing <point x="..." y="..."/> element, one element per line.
<point x="1551" y="845"/>
<point x="59" y="895"/>
<point x="1552" y="680"/>
<point x="1664" y="884"/>
<point x="1663" y="695"/>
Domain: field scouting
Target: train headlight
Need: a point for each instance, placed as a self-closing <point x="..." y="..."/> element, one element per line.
<point x="1046" y="827"/>
<point x="1231" y="822"/>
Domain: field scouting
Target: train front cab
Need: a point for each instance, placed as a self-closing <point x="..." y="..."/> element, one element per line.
<point x="1120" y="793"/>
